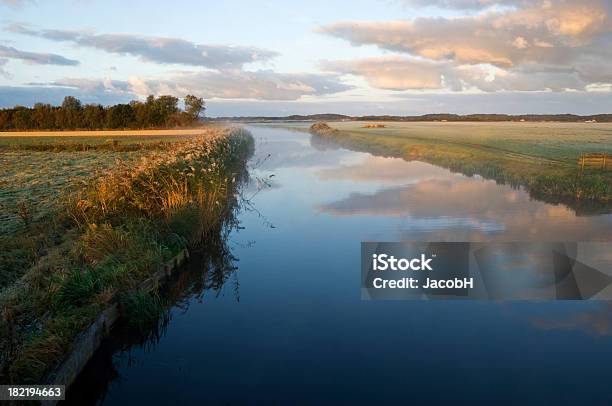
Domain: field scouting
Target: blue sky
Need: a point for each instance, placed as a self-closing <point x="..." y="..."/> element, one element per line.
<point x="279" y="57"/>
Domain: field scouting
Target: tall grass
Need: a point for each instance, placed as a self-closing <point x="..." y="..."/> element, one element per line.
<point x="141" y="309"/>
<point x="125" y="225"/>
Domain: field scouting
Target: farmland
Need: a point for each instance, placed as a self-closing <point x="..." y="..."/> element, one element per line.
<point x="39" y="167"/>
<point x="86" y="218"/>
<point x="541" y="157"/>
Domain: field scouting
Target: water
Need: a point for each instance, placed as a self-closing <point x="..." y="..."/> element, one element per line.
<point x="289" y="326"/>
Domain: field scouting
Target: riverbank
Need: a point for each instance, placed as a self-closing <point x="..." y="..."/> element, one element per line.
<point x="543" y="158"/>
<point x="109" y="235"/>
<point x="291" y="323"/>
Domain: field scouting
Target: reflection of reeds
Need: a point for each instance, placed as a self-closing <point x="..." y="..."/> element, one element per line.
<point x="127" y="223"/>
<point x="209" y="270"/>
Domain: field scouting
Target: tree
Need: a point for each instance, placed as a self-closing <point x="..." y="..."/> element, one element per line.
<point x="141" y="113"/>
<point x="165" y="107"/>
<point x="71" y="103"/>
<point x="22" y="117"/>
<point x="194" y="106"/>
<point x="72" y="112"/>
<point x="93" y="116"/>
<point x="42" y="116"/>
<point x="162" y="111"/>
<point x="5" y="120"/>
<point x="120" y="116"/>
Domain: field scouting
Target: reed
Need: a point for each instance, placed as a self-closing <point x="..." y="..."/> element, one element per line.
<point x="122" y="226"/>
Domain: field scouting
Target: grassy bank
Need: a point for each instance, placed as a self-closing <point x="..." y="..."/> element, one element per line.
<point x="102" y="238"/>
<point x="543" y="158"/>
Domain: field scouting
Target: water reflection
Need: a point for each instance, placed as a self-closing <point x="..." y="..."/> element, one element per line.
<point x="596" y="321"/>
<point x="565" y="184"/>
<point x="293" y="328"/>
<point x="210" y="272"/>
<point x="441" y="206"/>
<point x="283" y="152"/>
<point x="385" y="171"/>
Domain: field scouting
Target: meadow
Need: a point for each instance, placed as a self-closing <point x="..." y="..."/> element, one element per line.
<point x="38" y="167"/>
<point x="541" y="157"/>
<point x="85" y="220"/>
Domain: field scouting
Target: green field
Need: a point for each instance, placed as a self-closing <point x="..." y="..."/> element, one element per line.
<point x="541" y="157"/>
<point x="555" y="141"/>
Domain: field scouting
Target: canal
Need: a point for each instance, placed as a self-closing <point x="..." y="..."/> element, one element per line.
<point x="275" y="316"/>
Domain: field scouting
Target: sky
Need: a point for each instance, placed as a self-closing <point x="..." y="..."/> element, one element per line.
<point x="274" y="58"/>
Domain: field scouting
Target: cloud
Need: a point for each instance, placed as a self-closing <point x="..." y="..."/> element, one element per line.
<point x="402" y="73"/>
<point x="14" y="3"/>
<point x="90" y="85"/>
<point x="226" y="80"/>
<point x="35" y="57"/>
<point x="163" y="50"/>
<point x="261" y="85"/>
<point x="539" y="34"/>
<point x="544" y="45"/>
<point x="29" y="95"/>
<point x="464" y="4"/>
<point x="3" y="72"/>
<point x="526" y="78"/>
<point x="392" y="72"/>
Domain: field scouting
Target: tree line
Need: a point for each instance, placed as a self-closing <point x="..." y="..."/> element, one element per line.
<point x="154" y="112"/>
<point x="600" y="118"/>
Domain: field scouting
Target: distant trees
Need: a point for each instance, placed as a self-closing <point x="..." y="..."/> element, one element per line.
<point x="94" y="116"/>
<point x="154" y="112"/>
<point x="120" y="116"/>
<point x="194" y="106"/>
<point x="71" y="103"/>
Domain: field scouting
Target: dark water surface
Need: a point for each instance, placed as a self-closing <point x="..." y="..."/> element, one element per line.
<point x="288" y="325"/>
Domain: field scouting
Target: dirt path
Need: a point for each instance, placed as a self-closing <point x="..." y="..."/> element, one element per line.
<point x="102" y="133"/>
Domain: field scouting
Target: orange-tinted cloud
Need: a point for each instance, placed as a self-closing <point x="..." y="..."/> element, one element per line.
<point x="392" y="72"/>
<point x="542" y="45"/>
<point x="480" y="210"/>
